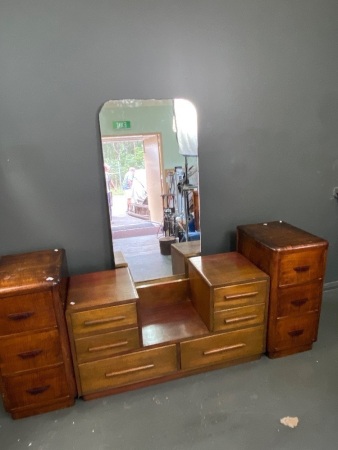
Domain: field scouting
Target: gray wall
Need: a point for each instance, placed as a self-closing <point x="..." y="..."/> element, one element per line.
<point x="262" y="74"/>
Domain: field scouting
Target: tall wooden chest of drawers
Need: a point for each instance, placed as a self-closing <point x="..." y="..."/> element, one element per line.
<point x="230" y="294"/>
<point x="295" y="261"/>
<point x="35" y="360"/>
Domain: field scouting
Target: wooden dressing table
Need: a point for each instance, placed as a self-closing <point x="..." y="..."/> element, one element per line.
<point x="125" y="335"/>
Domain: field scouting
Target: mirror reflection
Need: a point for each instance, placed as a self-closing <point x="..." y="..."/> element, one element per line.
<point x="151" y="169"/>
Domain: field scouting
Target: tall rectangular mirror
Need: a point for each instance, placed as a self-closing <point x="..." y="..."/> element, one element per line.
<point x="151" y="169"/>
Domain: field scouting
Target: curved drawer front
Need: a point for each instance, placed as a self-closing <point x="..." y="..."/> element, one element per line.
<point x="221" y="348"/>
<point x="26" y="313"/>
<point x="18" y="353"/>
<point x="104" y="319"/>
<point x="300" y="267"/>
<point x="127" y="369"/>
<point x="299" y="299"/>
<point x="240" y="295"/>
<point x="36" y="387"/>
<point x="294" y="332"/>
<point x="234" y="319"/>
<point x="106" y="344"/>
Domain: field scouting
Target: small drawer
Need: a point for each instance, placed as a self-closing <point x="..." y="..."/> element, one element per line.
<point x="234" y="319"/>
<point x="104" y="319"/>
<point x="127" y="369"/>
<point x="299" y="299"/>
<point x="26" y="312"/>
<point x="106" y="344"/>
<point x="293" y="332"/>
<point x="39" y="387"/>
<point x="221" y="348"/>
<point x="240" y="295"/>
<point x="18" y="353"/>
<point x="301" y="267"/>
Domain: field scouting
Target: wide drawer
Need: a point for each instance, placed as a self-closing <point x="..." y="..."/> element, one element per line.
<point x="26" y="312"/>
<point x="104" y="319"/>
<point x="233" y="319"/>
<point x="221" y="348"/>
<point x="302" y="266"/>
<point x="240" y="295"/>
<point x="127" y="369"/>
<point x="299" y="299"/>
<point x="19" y="353"/>
<point x="295" y="331"/>
<point x="106" y="344"/>
<point x="36" y="387"/>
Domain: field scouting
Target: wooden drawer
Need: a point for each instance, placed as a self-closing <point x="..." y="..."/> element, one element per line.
<point x="106" y="344"/>
<point x="127" y="369"/>
<point x="233" y="319"/>
<point x="18" y="353"/>
<point x="37" y="387"/>
<point x="26" y="313"/>
<point x="240" y="295"/>
<point x="104" y="319"/>
<point x="299" y="299"/>
<point x="221" y="348"/>
<point x="301" y="267"/>
<point x="295" y="331"/>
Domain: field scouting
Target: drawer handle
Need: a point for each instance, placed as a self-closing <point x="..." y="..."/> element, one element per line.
<point x="240" y="319"/>
<point x="107" y="347"/>
<point x="20" y="316"/>
<point x="30" y="354"/>
<point x="133" y="370"/>
<point x="38" y="390"/>
<point x="299" y="302"/>
<point x="300" y="269"/>
<point x="295" y="333"/>
<point x="234" y="296"/>
<point x="89" y="323"/>
<point x="223" y="349"/>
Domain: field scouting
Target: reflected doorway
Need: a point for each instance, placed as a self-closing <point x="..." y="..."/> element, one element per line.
<point x="137" y="213"/>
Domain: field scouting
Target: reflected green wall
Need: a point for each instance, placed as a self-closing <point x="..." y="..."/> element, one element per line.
<point x="145" y="116"/>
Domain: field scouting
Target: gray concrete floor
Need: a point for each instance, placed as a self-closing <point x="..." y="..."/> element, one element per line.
<point x="236" y="408"/>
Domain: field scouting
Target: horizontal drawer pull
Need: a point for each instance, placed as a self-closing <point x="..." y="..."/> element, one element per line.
<point x="295" y="333"/>
<point x="30" y="354"/>
<point x="299" y="269"/>
<point x="240" y="319"/>
<point x="299" y="302"/>
<point x="21" y="316"/>
<point x="108" y="346"/>
<point x="89" y="323"/>
<point x="38" y="390"/>
<point x="133" y="370"/>
<point x="223" y="349"/>
<point x="234" y="296"/>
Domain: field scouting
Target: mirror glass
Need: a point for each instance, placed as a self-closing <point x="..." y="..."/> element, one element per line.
<point x="151" y="170"/>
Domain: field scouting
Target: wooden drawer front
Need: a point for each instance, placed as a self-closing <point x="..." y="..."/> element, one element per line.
<point x="294" y="332"/>
<point x="104" y="319"/>
<point x="36" y="387"/>
<point x="18" y="353"/>
<point x="221" y="348"/>
<point x="240" y="295"/>
<point x="299" y="299"/>
<point x="107" y="344"/>
<point x="300" y="267"/>
<point x="127" y="369"/>
<point x="26" y="313"/>
<point x="234" y="319"/>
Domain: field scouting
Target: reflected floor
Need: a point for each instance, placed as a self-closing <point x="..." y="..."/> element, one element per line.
<point x="138" y="240"/>
<point x="144" y="258"/>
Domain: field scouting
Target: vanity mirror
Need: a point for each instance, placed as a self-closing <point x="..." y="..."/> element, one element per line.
<point x="151" y="170"/>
